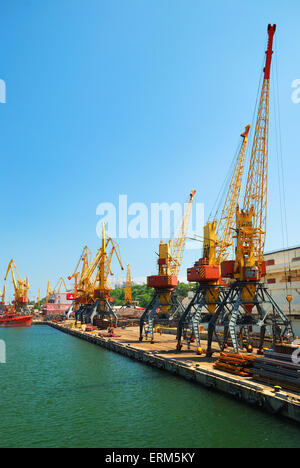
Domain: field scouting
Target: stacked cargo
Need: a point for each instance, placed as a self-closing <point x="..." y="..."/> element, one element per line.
<point x="239" y="364"/>
<point x="278" y="369"/>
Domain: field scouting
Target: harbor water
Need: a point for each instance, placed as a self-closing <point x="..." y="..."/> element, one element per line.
<point x="59" y="391"/>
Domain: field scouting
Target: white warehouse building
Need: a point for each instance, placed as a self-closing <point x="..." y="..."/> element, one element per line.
<point x="283" y="278"/>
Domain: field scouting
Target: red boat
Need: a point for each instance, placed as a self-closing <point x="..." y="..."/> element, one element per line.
<point x="10" y="319"/>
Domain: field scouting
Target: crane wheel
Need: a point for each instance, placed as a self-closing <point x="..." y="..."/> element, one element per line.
<point x="199" y="350"/>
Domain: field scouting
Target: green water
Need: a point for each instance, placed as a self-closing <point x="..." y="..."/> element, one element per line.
<point x="59" y="391"/>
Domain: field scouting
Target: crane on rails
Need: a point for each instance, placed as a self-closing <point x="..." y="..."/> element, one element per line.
<point x="217" y="243"/>
<point x="128" y="288"/>
<point x="165" y="283"/>
<point x="247" y="292"/>
<point x="92" y="288"/>
<point x="58" y="286"/>
<point x="104" y="312"/>
<point x="21" y="288"/>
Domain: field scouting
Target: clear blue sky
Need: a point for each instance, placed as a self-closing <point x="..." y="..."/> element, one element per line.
<point x="139" y="97"/>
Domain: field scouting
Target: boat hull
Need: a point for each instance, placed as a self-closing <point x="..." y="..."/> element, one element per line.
<point x="18" y="321"/>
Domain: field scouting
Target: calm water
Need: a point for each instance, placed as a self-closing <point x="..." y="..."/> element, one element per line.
<point x="58" y="391"/>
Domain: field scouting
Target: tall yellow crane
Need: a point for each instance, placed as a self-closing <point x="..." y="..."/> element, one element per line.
<point x="247" y="270"/>
<point x="165" y="282"/>
<point x="128" y="288"/>
<point x="109" y="249"/>
<point x="21" y="288"/>
<point x="217" y="243"/>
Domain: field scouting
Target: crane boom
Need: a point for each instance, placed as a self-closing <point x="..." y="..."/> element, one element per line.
<point x="178" y="243"/>
<point x="224" y="231"/>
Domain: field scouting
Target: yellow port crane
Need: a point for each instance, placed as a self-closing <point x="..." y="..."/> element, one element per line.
<point x="247" y="291"/>
<point x="81" y="294"/>
<point x="165" y="282"/>
<point x="59" y="284"/>
<point x="128" y="288"/>
<point x="49" y="292"/>
<point x="21" y="288"/>
<point x="217" y="243"/>
<point x="91" y="291"/>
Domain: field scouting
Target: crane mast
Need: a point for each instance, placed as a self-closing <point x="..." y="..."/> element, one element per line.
<point x="251" y="220"/>
<point x="128" y="290"/>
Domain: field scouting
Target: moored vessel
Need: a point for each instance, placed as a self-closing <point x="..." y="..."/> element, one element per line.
<point x="12" y="319"/>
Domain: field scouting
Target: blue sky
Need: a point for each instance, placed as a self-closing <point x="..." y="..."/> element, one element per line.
<point x="139" y="97"/>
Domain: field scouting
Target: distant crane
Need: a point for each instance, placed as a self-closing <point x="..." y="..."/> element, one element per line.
<point x="21" y="288"/>
<point x="165" y="282"/>
<point x="104" y="310"/>
<point x="128" y="288"/>
<point x="59" y="284"/>
<point x="38" y="298"/>
<point x="49" y="292"/>
<point x="91" y="285"/>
